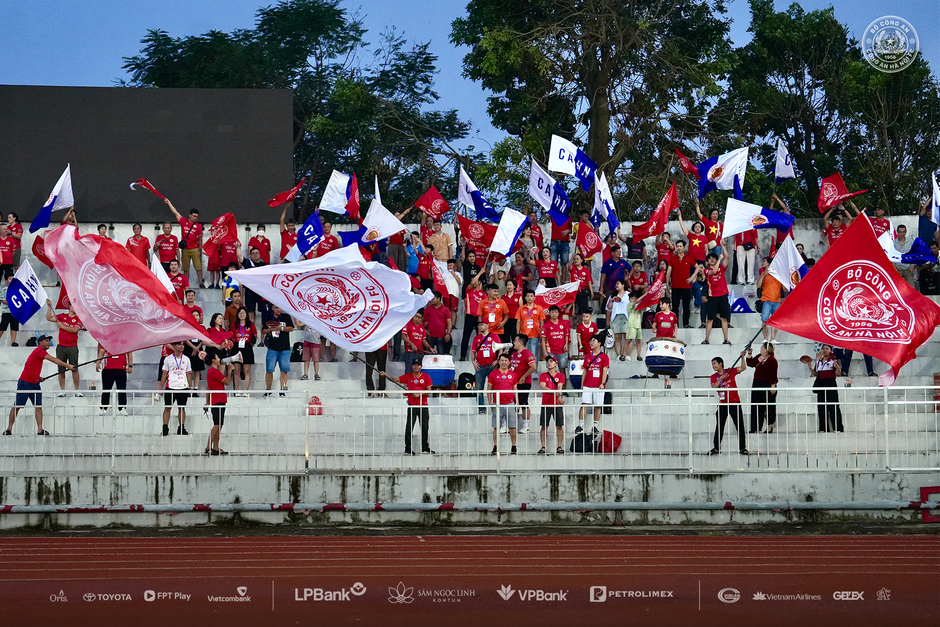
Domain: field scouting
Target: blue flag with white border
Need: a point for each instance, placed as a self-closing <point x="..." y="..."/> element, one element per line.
<point x="25" y="294"/>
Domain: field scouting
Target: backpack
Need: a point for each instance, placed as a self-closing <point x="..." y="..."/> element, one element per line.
<point x="297" y="352"/>
<point x="582" y="443"/>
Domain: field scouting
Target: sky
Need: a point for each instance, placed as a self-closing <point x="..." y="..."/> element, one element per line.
<point x="71" y="43"/>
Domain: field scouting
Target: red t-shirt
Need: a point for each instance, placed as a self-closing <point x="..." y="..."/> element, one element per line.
<point x="724" y="395"/>
<point x="585" y="333"/>
<point x="547" y="269"/>
<point x="416" y="333"/>
<point x="881" y="226"/>
<point x="482" y="347"/>
<point x="426" y="234"/>
<point x="832" y="234"/>
<point x="328" y="244"/>
<point x="712" y="230"/>
<point x="665" y="323"/>
<point x="192" y="231"/>
<point x="416" y="383"/>
<point x="512" y="303"/>
<point x="263" y="246"/>
<point x="245" y="334"/>
<point x="17" y="229"/>
<point x="67" y="338"/>
<point x="437" y="318"/>
<point x="582" y="275"/>
<point x="288" y="240"/>
<point x="215" y="381"/>
<point x="138" y="248"/>
<point x="180" y="283"/>
<point x="556" y="231"/>
<point x="398" y="239"/>
<point x="503" y="381"/>
<point x="474" y="298"/>
<point x="115" y="362"/>
<point x="554" y="383"/>
<point x="219" y="336"/>
<point x="681" y="271"/>
<point x="537" y="234"/>
<point x="593" y="370"/>
<point x="717" y="286"/>
<point x="228" y="253"/>
<point x="7" y="246"/>
<point x="556" y="336"/>
<point x="663" y="251"/>
<point x="33" y="368"/>
<point x="638" y="281"/>
<point x="747" y="237"/>
<point x="167" y="246"/>
<point x="698" y="249"/>
<point x="520" y="361"/>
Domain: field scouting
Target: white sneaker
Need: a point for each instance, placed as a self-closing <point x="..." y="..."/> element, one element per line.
<point x="60" y="395"/>
<point x="504" y="429"/>
<point x="525" y="427"/>
<point x="774" y="342"/>
<point x="79" y="395"/>
<point x="102" y="411"/>
<point x="123" y="411"/>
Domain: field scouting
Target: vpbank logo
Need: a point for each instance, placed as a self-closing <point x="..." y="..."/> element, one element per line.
<point x="760" y="596"/>
<point x="506" y="592"/>
<point x="598" y="594"/>
<point x="532" y="595"/>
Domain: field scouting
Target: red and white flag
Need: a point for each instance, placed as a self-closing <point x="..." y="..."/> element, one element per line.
<point x="432" y="203"/>
<point x="146" y="185"/>
<point x="563" y="295"/>
<point x="63" y="301"/>
<point x="118" y="299"/>
<point x="651" y="298"/>
<point x="440" y="275"/>
<point x="832" y="191"/>
<point x="478" y="235"/>
<point x="588" y="242"/>
<point x="853" y="298"/>
<point x="358" y="304"/>
<point x="657" y="222"/>
<point x="687" y="166"/>
<point x="39" y="252"/>
<point x="223" y="229"/>
<point x="352" y="203"/>
<point x="287" y="196"/>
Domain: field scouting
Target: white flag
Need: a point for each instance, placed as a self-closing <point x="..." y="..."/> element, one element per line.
<point x="603" y="199"/>
<point x="25" y="294"/>
<point x="157" y="268"/>
<point x="784" y="168"/>
<point x="335" y="195"/>
<point x="380" y="222"/>
<point x="541" y="185"/>
<point x="788" y="266"/>
<point x="359" y="305"/>
<point x="562" y="156"/>
<point x="61" y="196"/>
<point x="935" y="203"/>
<point x="510" y="228"/>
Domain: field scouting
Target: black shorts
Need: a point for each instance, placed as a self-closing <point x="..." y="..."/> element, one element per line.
<point x="718" y="307"/>
<point x="179" y="398"/>
<point x="552" y="412"/>
<point x="8" y="321"/>
<point x="524" y="396"/>
<point x="253" y="302"/>
<point x="218" y="414"/>
<point x="248" y="354"/>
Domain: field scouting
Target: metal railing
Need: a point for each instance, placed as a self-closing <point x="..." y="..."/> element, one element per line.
<point x="661" y="430"/>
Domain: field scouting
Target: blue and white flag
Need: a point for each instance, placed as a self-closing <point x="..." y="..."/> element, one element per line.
<point x="604" y="203"/>
<point x="919" y="253"/>
<point x="784" y="168"/>
<point x="309" y="237"/>
<point x="935" y="202"/>
<point x="357" y="237"/>
<point x="511" y="224"/>
<point x="337" y="193"/>
<point x="25" y="294"/>
<point x="788" y="266"/>
<point x="565" y="157"/>
<point x="743" y="216"/>
<point x="469" y="195"/>
<point x="549" y="193"/>
<point x="719" y="172"/>
<point x="380" y="223"/>
<point x="60" y="198"/>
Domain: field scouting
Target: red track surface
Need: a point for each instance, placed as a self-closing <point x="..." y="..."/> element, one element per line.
<point x="399" y="577"/>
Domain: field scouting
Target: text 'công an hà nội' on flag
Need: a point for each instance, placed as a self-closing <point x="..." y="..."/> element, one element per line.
<point x="855" y="299"/>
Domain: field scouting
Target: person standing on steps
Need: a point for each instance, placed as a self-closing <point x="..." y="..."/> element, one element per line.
<point x="729" y="403"/>
<point x="764" y="388"/>
<point x="177" y="380"/>
<point x="552" y="383"/>
<point x="114" y="370"/>
<point x="415" y="381"/>
<point x="28" y="386"/>
<point x="190" y="242"/>
<point x="216" y="399"/>
<point x="67" y="350"/>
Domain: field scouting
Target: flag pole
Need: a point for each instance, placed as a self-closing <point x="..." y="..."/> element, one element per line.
<point x="748" y="345"/>
<point x="357" y="358"/>
<point x="76" y="367"/>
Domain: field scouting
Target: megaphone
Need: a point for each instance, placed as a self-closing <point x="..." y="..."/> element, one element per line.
<point x="234" y="359"/>
<point x="499" y="347"/>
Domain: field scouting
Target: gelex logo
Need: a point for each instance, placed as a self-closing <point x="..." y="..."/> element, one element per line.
<point x="598" y="594"/>
<point x="848" y="595"/>
<point x="729" y="595"/>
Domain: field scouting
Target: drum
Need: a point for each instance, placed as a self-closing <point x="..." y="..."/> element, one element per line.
<point x="665" y="355"/>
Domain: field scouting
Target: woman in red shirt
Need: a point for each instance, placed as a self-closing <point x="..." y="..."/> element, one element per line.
<point x="220" y="336"/>
<point x="547" y="268"/>
<point x="513" y="300"/>
<point x="475" y="296"/>
<point x="763" y="388"/>
<point x="216" y="400"/>
<point x="713" y="228"/>
<point x="698" y="242"/>
<point x="244" y="336"/>
<point x="582" y="274"/>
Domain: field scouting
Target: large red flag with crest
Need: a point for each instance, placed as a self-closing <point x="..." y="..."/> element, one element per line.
<point x="853" y="298"/>
<point x="832" y="191"/>
<point x="118" y="299"/>
<point x="654" y="294"/>
<point x="146" y="185"/>
<point x="432" y="203"/>
<point x="588" y="242"/>
<point x="687" y="166"/>
<point x="657" y="222"/>
<point x="352" y="204"/>
<point x="563" y="295"/>
<point x="223" y="229"/>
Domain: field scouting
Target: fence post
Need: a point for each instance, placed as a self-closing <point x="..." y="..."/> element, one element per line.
<point x="688" y="397"/>
<point x="884" y="412"/>
<point x="113" y="435"/>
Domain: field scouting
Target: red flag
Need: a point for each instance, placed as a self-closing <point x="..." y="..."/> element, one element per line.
<point x="657" y="222"/>
<point x="146" y="185"/>
<point x="588" y="243"/>
<point x="118" y="299"/>
<point x="563" y="295"/>
<point x="352" y="204"/>
<point x="855" y="299"/>
<point x="287" y="196"/>
<point x="63" y="301"/>
<point x="223" y="229"/>
<point x="833" y="191"/>
<point x="439" y="284"/>
<point x="39" y="250"/>
<point x="655" y="292"/>
<point x="687" y="166"/>
<point x="478" y="235"/>
<point x="432" y="203"/>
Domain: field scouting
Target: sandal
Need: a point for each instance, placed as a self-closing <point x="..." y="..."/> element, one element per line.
<point x="559" y="451"/>
<point x="541" y="451"/>
<point x="714" y="451"/>
<point x="728" y="342"/>
<point x="705" y="342"/>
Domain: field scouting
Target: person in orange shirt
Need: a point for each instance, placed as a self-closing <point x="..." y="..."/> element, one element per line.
<point x="493" y="311"/>
<point x="530" y="317"/>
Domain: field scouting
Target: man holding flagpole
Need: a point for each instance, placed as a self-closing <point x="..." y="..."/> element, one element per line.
<point x="28" y="387"/>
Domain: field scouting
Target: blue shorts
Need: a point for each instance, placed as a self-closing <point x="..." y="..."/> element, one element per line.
<point x="560" y="252"/>
<point x="767" y="309"/>
<point x="277" y="358"/>
<point x="34" y="397"/>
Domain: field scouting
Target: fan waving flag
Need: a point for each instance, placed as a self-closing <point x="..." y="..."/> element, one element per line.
<point x="478" y="235"/>
<point x="563" y="295"/>
<point x="854" y="298"/>
<point x="359" y="305"/>
<point x="284" y="197"/>
<point x="719" y="172"/>
<point x="471" y="197"/>
<point x="146" y="185"/>
<point x="655" y="293"/>
<point x="39" y="250"/>
<point x="341" y="195"/>
<point x="120" y="302"/>
<point x="919" y="253"/>
<point x="549" y="193"/>
<point x="565" y="157"/>
<point x="783" y="170"/>
<point x="380" y="223"/>
<point x="687" y="166"/>
<point x="25" y="294"/>
<point x="223" y="229"/>
<point x="588" y="242"/>
<point x="742" y="216"/>
<point x="657" y="222"/>
<point x="309" y="235"/>
<point x="507" y="234"/>
<point x="157" y="268"/>
<point x="60" y="198"/>
<point x="432" y="203"/>
<point x="832" y="191"/>
<point x="788" y="266"/>
<point x="604" y="203"/>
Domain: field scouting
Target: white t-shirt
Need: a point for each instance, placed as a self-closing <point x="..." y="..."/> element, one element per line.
<point x="176" y="369"/>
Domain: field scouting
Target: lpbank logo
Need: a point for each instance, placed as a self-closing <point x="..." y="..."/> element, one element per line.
<point x="506" y="593"/>
<point x="321" y="594"/>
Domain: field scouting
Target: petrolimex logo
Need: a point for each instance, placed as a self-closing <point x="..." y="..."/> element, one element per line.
<point x="849" y="595"/>
<point x="506" y="593"/>
<point x="342" y="594"/>
<point x="600" y="594"/>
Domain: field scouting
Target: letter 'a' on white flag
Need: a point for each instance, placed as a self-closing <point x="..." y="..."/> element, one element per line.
<point x="562" y="155"/>
<point x="157" y="268"/>
<point x="379" y="222"/>
<point x="784" y="168"/>
<point x="788" y="266"/>
<point x="25" y="294"/>
<point x="510" y="228"/>
<point x="356" y="303"/>
<point x="334" y="196"/>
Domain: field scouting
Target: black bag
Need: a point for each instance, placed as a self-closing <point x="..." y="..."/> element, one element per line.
<point x="182" y="242"/>
<point x="582" y="443"/>
<point x="747" y="246"/>
<point x="297" y="352"/>
<point x="466" y="384"/>
<point x="758" y="305"/>
<point x="608" y="403"/>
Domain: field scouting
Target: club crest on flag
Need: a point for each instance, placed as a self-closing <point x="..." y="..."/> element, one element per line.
<point x="110" y="299"/>
<point x="335" y="301"/>
<point x="716" y="172"/>
<point x="828" y="193"/>
<point x="795" y="276"/>
<point x="860" y="301"/>
<point x="371" y="234"/>
<point x="757" y="220"/>
<point x="476" y="231"/>
<point x="592" y="241"/>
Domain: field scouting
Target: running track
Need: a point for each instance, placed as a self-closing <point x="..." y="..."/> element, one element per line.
<point x="452" y="581"/>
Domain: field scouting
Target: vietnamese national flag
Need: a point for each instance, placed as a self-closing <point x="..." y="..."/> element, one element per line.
<point x="657" y="222"/>
<point x="687" y="166"/>
<point x="432" y="203"/>
<point x="854" y="298"/>
<point x="118" y="299"/>
<point x="563" y="295"/>
<point x="39" y="250"/>
<point x="832" y="191"/>
<point x="287" y="196"/>
<point x="223" y="229"/>
<point x="146" y="185"/>
<point x="651" y="298"/>
<point x="588" y="242"/>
